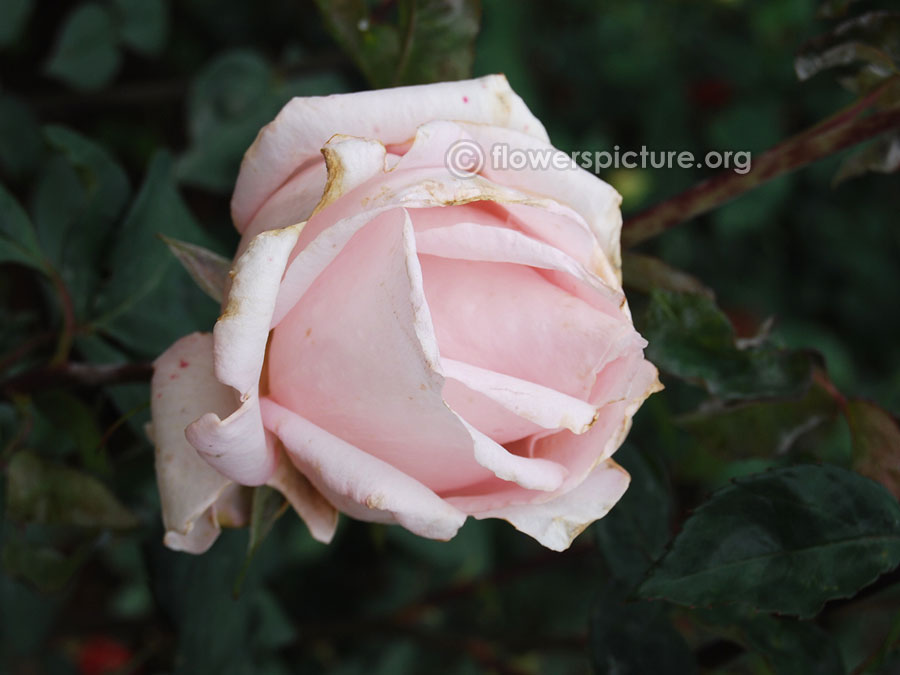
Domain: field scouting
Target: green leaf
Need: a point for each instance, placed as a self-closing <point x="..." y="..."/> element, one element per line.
<point x="40" y="491"/>
<point x="207" y="268"/>
<point x="21" y="144"/>
<point x="147" y="301"/>
<point x="42" y="566"/>
<point x="13" y="17"/>
<point x="231" y="98"/>
<point x="786" y="645"/>
<point x="636" y="638"/>
<point x="691" y="338"/>
<point x="428" y="40"/>
<point x="876" y="443"/>
<point x="785" y="541"/>
<point x="216" y="631"/>
<point x="143" y="24"/>
<point x="634" y="534"/>
<point x="18" y="240"/>
<point x="85" y="56"/>
<point x="79" y="196"/>
<point x="791" y="646"/>
<point x="65" y="423"/>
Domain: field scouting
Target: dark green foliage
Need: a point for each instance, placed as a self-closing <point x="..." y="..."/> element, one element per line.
<point x="784" y="541"/>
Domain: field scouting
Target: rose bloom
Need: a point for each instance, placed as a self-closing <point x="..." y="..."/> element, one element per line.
<point x="402" y="341"/>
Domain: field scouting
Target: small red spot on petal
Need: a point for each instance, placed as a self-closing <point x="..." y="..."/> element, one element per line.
<point x="173" y="376"/>
<point x="183" y="364"/>
<point x="465" y="99"/>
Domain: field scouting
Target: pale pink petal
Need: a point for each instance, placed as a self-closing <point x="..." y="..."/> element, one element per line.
<point x="545" y="407"/>
<point x="509" y="319"/>
<point x="357" y="357"/>
<point x="596" y="201"/>
<point x="183" y="388"/>
<point x="635" y="379"/>
<point x="304" y="125"/>
<point x="488" y="416"/>
<point x="371" y="489"/>
<point x="318" y="514"/>
<point x="526" y="472"/>
<point x="557" y="522"/>
<point x="585" y="222"/>
<point x="481" y="242"/>
<point x="326" y="233"/>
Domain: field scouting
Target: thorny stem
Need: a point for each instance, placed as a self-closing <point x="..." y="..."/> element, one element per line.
<point x="844" y="129"/>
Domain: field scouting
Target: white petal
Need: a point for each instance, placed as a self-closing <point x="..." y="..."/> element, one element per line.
<point x="556" y="523"/>
<point x="545" y="407"/>
<point x="303" y="126"/>
<point x="183" y="388"/>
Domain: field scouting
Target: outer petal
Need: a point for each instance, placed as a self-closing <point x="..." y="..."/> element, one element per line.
<point x="557" y="522"/>
<point x="364" y="486"/>
<point x="292" y="141"/>
<point x="183" y="388"/>
<point x="596" y="201"/>
<point x="236" y="446"/>
<point x="317" y="512"/>
<point x="589" y="232"/>
<point x="629" y="381"/>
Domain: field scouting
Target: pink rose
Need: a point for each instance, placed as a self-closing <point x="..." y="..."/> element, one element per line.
<point x="402" y="342"/>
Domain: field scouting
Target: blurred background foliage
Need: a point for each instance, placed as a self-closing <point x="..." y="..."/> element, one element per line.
<point x="774" y="319"/>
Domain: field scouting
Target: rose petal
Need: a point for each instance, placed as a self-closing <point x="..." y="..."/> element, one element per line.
<point x="509" y="319"/>
<point x="526" y="472"/>
<point x="596" y="201"/>
<point x="364" y="486"/>
<point x="292" y="203"/>
<point x="319" y="515"/>
<point x="390" y="115"/>
<point x="236" y="445"/>
<point x="480" y="242"/>
<point x="557" y="522"/>
<point x="586" y="221"/>
<point x="357" y="357"/>
<point x="545" y="407"/>
<point x="183" y="388"/>
<point x="351" y="162"/>
<point x="635" y="380"/>
<point x="327" y="232"/>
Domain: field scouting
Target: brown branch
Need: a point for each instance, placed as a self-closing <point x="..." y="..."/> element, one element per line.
<point x="847" y="128"/>
<point x="77" y="374"/>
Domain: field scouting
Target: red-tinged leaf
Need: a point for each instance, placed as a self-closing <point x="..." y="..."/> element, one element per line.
<point x="876" y="443"/>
